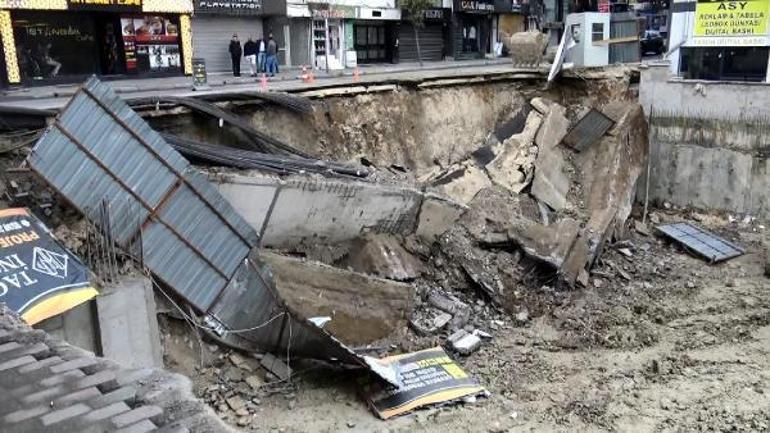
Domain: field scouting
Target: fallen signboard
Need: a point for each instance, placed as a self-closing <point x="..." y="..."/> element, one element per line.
<point x="428" y="377"/>
<point x="701" y="241"/>
<point x="39" y="278"/>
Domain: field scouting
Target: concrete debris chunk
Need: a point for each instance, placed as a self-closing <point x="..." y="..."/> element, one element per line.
<point x="553" y="128"/>
<point x="463" y="182"/>
<point x="437" y="215"/>
<point x="445" y="303"/>
<point x="441" y="320"/>
<point x="275" y="366"/>
<point x="464" y="342"/>
<point x="514" y="165"/>
<point x="236" y="403"/>
<point x="542" y="105"/>
<point x="254" y="381"/>
<point x="383" y="255"/>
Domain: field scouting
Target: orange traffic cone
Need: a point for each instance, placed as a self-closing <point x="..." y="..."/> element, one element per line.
<point x="311" y="76"/>
<point x="356" y="75"/>
<point x="305" y="76"/>
<point x="263" y="82"/>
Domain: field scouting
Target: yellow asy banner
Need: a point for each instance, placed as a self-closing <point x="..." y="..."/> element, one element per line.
<point x="743" y="18"/>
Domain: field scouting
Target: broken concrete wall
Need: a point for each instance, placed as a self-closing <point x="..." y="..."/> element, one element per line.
<point x="291" y="211"/>
<point x="708" y="143"/>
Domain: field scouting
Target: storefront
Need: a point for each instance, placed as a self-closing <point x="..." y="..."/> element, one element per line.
<point x="328" y="34"/>
<point x="375" y="34"/>
<point x="433" y="37"/>
<point x="471" y="28"/>
<point x="214" y="24"/>
<point x="343" y="36"/>
<point x="69" y="40"/>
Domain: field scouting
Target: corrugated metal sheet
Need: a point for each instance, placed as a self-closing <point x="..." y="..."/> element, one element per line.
<point x="701" y="241"/>
<point x="99" y="149"/>
<point x="588" y="130"/>
<point x="623" y="25"/>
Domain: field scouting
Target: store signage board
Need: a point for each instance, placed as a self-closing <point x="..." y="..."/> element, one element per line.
<point x="105" y="5"/>
<point x="731" y="23"/>
<point x="235" y="7"/>
<point x="474" y="6"/>
<point x="327" y="11"/>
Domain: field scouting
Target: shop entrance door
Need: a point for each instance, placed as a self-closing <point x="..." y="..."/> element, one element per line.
<point x="369" y="39"/>
<point x="471" y="34"/>
<point x="112" y="59"/>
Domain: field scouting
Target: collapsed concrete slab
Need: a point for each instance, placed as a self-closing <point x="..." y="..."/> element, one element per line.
<point x="362" y="309"/>
<point x="551" y="184"/>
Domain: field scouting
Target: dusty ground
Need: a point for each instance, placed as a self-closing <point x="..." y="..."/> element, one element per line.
<point x="659" y="341"/>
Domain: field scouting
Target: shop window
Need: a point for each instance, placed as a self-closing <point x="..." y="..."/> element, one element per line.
<point x="725" y="64"/>
<point x="370" y="43"/>
<point x="597" y="32"/>
<point x="50" y="45"/>
<point x="150" y="43"/>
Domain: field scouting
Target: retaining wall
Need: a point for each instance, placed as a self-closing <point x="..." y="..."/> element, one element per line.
<point x="709" y="142"/>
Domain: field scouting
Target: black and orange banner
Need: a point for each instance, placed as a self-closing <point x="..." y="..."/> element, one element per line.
<point x="39" y="278"/>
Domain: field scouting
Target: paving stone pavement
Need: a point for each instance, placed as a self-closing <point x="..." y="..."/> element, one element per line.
<point x="47" y="385"/>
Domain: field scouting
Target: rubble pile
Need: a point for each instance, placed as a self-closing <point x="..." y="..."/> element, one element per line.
<point x="553" y="203"/>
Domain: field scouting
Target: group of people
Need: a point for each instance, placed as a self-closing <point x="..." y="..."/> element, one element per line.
<point x="261" y="55"/>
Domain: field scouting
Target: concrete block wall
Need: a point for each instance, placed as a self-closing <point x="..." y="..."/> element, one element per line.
<point x="709" y="142"/>
<point x="289" y="212"/>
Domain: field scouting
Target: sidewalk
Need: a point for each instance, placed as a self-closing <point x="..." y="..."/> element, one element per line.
<point x="221" y="79"/>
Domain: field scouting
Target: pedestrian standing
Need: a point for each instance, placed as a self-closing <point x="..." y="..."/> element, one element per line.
<point x="261" y="54"/>
<point x="250" y="53"/>
<point x="272" y="60"/>
<point x="235" y="54"/>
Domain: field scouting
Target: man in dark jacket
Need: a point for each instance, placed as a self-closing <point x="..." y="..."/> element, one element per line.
<point x="272" y="56"/>
<point x="250" y="53"/>
<point x="235" y="55"/>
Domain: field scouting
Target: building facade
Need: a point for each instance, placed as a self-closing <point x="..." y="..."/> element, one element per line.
<point x="53" y="41"/>
<point x="719" y="40"/>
